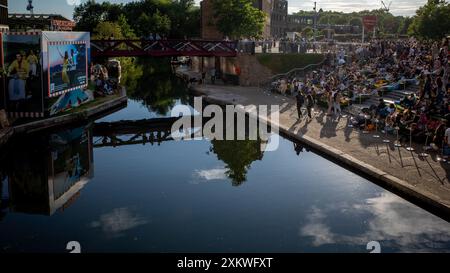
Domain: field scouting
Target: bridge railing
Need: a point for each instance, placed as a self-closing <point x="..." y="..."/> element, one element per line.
<point x="144" y="47"/>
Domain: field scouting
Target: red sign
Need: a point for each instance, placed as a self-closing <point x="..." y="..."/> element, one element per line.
<point x="63" y="25"/>
<point x="370" y="22"/>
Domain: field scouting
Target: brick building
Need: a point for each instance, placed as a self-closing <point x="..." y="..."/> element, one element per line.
<point x="278" y="21"/>
<point x="19" y="22"/>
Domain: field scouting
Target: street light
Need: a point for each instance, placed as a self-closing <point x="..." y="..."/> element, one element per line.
<point x="315" y="20"/>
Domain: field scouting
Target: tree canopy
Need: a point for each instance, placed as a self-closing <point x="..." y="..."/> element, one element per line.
<point x="172" y="18"/>
<point x="238" y="18"/>
<point x="432" y="21"/>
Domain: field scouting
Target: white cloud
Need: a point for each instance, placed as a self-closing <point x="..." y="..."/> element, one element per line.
<point x="392" y="221"/>
<point x="118" y="221"/>
<point x="212" y="174"/>
<point x="398" y="7"/>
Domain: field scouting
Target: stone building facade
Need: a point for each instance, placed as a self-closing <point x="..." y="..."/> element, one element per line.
<point x="279" y="17"/>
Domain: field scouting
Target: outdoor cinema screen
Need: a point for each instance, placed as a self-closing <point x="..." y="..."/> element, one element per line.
<point x="67" y="67"/>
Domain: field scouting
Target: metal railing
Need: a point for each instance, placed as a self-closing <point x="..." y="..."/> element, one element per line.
<point x="294" y="73"/>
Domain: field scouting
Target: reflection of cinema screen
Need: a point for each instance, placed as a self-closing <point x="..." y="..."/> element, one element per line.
<point x="67" y="67"/>
<point x="23" y="69"/>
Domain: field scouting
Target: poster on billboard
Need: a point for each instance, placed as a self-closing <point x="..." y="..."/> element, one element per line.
<point x="23" y="75"/>
<point x="66" y="61"/>
<point x="67" y="67"/>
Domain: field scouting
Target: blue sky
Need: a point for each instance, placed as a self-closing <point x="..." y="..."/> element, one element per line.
<point x="399" y="7"/>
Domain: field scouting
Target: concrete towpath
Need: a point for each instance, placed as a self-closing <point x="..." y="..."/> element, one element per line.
<point x="424" y="181"/>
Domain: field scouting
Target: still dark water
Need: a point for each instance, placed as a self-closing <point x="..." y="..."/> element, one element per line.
<point x="194" y="196"/>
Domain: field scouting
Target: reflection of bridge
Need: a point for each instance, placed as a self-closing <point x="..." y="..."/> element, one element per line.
<point x="162" y="48"/>
<point x="123" y="133"/>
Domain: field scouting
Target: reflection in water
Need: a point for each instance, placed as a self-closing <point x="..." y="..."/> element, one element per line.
<point x="390" y="220"/>
<point x="155" y="198"/>
<point x="118" y="221"/>
<point x="46" y="172"/>
<point x="151" y="82"/>
<point x="238" y="155"/>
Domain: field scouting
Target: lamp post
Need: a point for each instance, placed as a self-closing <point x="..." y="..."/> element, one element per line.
<point x="315" y="20"/>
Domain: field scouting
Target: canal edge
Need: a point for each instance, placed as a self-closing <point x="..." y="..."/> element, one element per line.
<point x="425" y="199"/>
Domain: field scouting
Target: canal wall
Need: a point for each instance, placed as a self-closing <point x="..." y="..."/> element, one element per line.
<point x="349" y="148"/>
<point x="86" y="113"/>
<point x="245" y="67"/>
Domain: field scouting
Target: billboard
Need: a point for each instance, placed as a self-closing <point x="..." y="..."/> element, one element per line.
<point x="370" y="22"/>
<point x="67" y="66"/>
<point x="35" y="66"/>
<point x="66" y="61"/>
<point x="23" y="74"/>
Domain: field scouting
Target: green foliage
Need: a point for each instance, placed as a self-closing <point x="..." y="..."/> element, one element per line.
<point x="238" y="18"/>
<point x="432" y="21"/>
<point x="151" y="81"/>
<point x="308" y="32"/>
<point x="155" y="23"/>
<point x="126" y="29"/>
<point x="106" y="30"/>
<point x="238" y="155"/>
<point x="282" y="63"/>
<point x="173" y="18"/>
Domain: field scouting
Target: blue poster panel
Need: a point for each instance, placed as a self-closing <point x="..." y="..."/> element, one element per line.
<point x="67" y="66"/>
<point x="65" y="61"/>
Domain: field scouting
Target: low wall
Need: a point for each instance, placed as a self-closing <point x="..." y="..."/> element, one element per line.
<point x="247" y="67"/>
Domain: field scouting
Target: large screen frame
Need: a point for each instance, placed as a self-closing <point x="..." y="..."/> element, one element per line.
<point x="38" y="110"/>
<point x="59" y="93"/>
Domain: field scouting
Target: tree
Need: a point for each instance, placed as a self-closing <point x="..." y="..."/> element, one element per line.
<point x="156" y="23"/>
<point x="238" y="155"/>
<point x="106" y="30"/>
<point x="88" y="15"/>
<point x="404" y="25"/>
<point x="238" y="18"/>
<point x="126" y="29"/>
<point x="432" y="21"/>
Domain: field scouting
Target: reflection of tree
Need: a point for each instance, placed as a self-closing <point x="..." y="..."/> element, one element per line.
<point x="238" y="155"/>
<point x="152" y="81"/>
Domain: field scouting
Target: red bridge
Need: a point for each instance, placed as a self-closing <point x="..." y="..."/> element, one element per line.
<point x="163" y="48"/>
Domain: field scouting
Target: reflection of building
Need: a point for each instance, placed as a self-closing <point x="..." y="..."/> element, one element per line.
<point x="26" y="22"/>
<point x="3" y="15"/>
<point x="46" y="173"/>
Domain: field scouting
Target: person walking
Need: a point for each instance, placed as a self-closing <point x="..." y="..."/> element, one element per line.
<point x="337" y="103"/>
<point x="300" y="101"/>
<point x="213" y="75"/>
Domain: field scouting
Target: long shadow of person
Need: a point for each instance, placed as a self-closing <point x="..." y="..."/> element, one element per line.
<point x="328" y="130"/>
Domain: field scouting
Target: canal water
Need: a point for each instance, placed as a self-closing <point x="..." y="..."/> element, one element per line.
<point x="119" y="195"/>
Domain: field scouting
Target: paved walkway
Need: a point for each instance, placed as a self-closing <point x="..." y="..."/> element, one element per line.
<point x="424" y="179"/>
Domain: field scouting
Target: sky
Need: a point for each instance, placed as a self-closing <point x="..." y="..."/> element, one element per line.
<point x="398" y="7"/>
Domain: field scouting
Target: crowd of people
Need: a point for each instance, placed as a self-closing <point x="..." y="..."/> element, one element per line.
<point x="104" y="85"/>
<point x="374" y="70"/>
